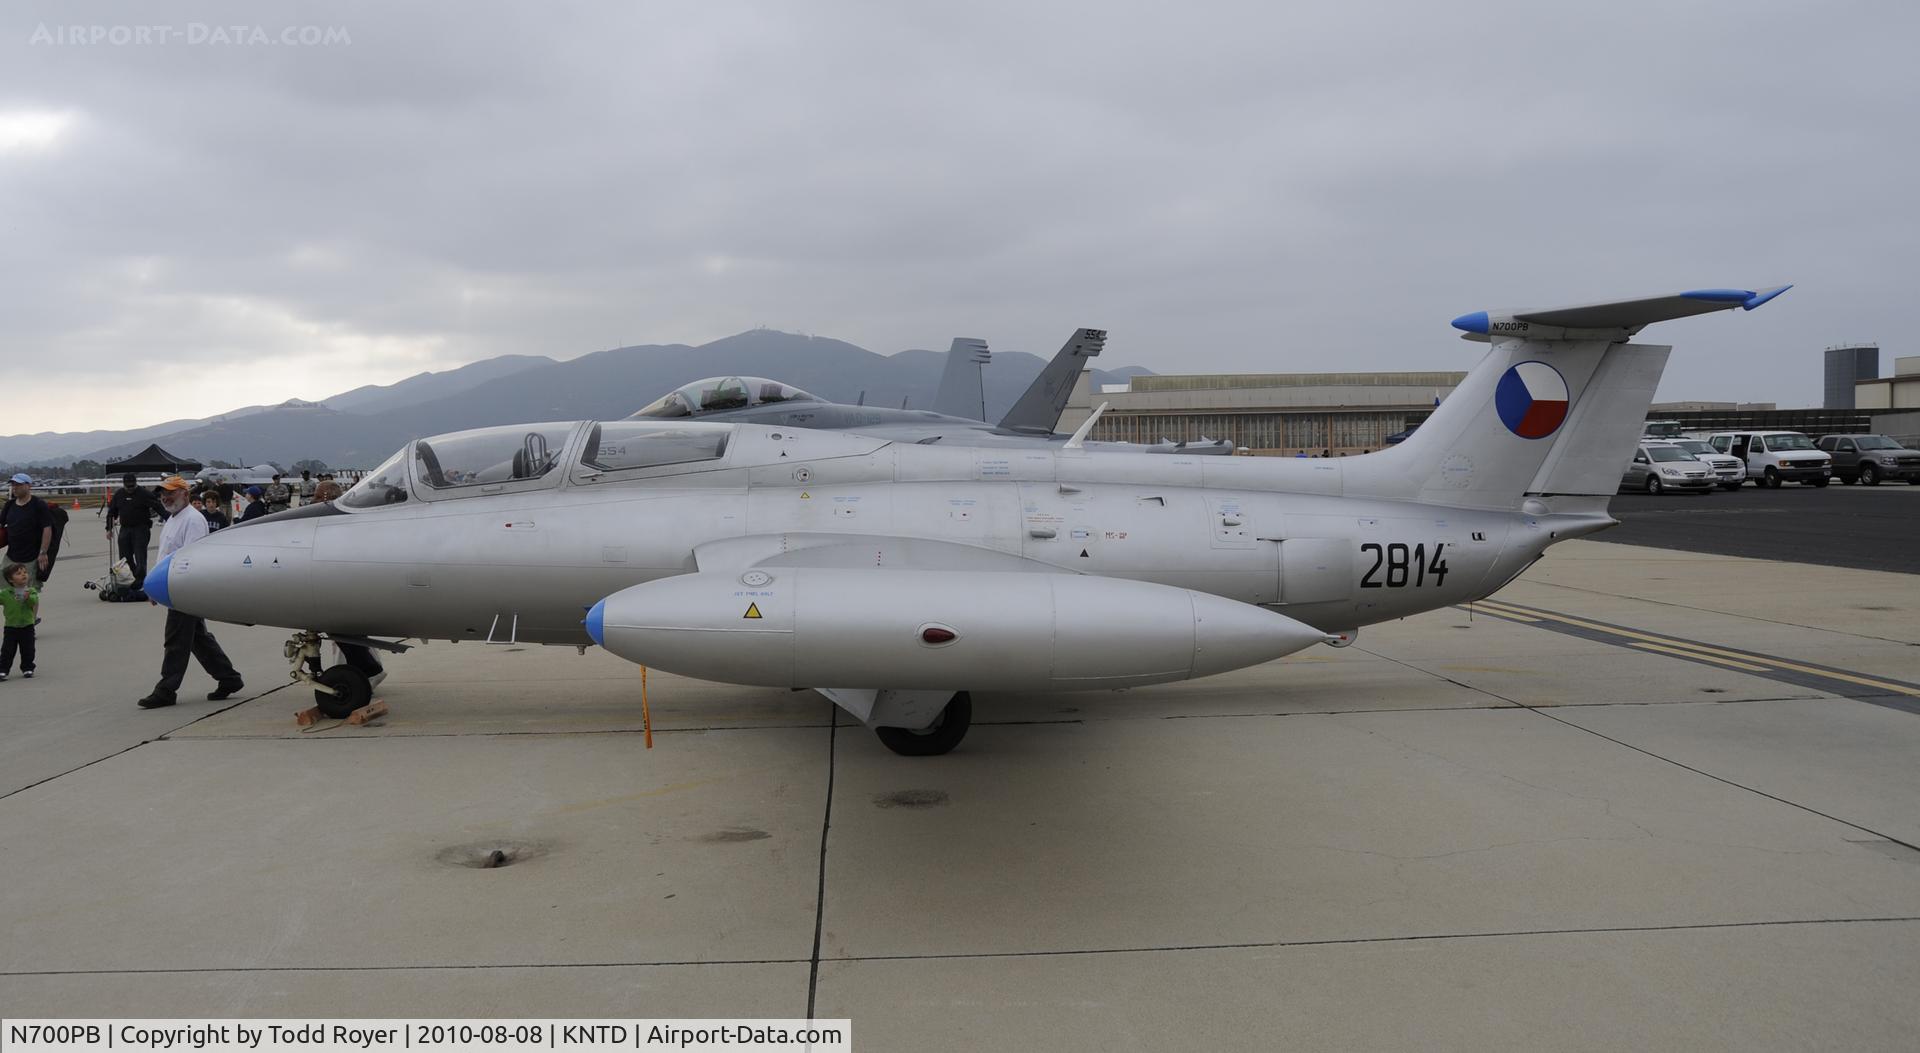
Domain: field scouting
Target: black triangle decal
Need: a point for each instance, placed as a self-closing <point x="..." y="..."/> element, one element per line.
<point x="1083" y="554"/>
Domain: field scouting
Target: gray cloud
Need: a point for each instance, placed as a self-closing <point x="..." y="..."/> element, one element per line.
<point x="1223" y="186"/>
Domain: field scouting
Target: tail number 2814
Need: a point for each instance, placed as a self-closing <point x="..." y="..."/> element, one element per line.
<point x="1404" y="565"/>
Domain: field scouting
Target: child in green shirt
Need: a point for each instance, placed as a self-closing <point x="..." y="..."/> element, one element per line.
<point x="21" y="602"/>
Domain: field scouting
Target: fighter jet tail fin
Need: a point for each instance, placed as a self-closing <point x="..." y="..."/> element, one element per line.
<point x="963" y="387"/>
<point x="1552" y="411"/>
<point x="1038" y="410"/>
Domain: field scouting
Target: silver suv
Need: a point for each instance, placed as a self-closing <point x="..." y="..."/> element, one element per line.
<point x="1661" y="466"/>
<point x="1729" y="472"/>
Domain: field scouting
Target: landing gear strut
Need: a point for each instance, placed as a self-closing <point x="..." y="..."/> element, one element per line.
<point x="338" y="690"/>
<point x="940" y="737"/>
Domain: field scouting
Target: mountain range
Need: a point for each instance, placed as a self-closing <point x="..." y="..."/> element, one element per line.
<point x="360" y="427"/>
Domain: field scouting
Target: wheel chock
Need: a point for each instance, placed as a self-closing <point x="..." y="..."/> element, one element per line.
<point x="306" y="717"/>
<point x="373" y="710"/>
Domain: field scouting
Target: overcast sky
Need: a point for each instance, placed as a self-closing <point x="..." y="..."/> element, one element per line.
<point x="194" y="224"/>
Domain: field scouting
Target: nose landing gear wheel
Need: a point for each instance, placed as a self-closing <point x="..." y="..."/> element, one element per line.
<point x="354" y="691"/>
<point x="945" y="733"/>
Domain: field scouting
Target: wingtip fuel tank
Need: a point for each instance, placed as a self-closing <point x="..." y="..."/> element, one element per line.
<point x="803" y="627"/>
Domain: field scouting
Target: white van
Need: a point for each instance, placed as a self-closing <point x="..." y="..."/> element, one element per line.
<point x="1775" y="457"/>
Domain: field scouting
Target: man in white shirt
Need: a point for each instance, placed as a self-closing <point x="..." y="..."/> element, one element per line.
<point x="187" y="636"/>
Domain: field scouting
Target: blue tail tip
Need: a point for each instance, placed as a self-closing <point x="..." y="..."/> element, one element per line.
<point x="156" y="583"/>
<point x="596" y="623"/>
<point x="1477" y="322"/>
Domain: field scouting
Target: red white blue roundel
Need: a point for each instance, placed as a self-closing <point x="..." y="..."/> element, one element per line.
<point x="1532" y="400"/>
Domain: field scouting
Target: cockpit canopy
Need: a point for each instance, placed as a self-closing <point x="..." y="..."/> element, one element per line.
<point x="715" y="394"/>
<point x="519" y="457"/>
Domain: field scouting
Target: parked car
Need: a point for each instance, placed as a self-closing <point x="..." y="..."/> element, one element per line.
<point x="1775" y="457"/>
<point x="1728" y="471"/>
<point x="1871" y="458"/>
<point x="1660" y="466"/>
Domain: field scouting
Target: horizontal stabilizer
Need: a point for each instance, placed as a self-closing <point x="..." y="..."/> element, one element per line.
<point x="1625" y="317"/>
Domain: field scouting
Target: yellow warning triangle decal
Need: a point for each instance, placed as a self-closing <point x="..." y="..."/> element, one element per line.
<point x="753" y="611"/>
<point x="805" y="496"/>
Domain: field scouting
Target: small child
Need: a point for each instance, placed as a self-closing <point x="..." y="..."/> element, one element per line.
<point x="22" y="605"/>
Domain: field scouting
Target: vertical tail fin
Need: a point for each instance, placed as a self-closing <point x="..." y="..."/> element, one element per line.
<point x="963" y="386"/>
<point x="1038" y="409"/>
<point x="1552" y="410"/>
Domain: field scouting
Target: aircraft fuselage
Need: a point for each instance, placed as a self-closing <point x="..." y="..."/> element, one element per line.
<point x="527" y="566"/>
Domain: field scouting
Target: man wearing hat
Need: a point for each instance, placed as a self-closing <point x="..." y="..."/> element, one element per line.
<point x="136" y="509"/>
<point x="187" y="636"/>
<point x="29" y="526"/>
<point x="256" y="507"/>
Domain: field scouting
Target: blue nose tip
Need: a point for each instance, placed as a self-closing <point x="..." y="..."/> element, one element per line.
<point x="597" y="623"/>
<point x="156" y="585"/>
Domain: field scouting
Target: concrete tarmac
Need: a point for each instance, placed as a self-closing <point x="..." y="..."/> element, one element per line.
<point x="1475" y="828"/>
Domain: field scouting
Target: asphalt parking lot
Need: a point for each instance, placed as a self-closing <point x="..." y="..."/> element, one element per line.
<point x="1869" y="528"/>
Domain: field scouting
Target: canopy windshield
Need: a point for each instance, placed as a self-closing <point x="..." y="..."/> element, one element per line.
<point x="717" y="394"/>
<point x="489" y="456"/>
<point x="385" y="485"/>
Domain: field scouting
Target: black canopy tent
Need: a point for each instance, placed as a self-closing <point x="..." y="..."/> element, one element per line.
<point x="152" y="459"/>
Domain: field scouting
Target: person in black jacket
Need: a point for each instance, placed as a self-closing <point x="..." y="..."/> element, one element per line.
<point x="29" y="527"/>
<point x="135" y="509"/>
<point x="256" y="507"/>
<point x="210" y="507"/>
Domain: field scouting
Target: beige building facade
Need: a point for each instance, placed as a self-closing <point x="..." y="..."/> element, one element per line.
<point x="1267" y="413"/>
<point x="1898" y="392"/>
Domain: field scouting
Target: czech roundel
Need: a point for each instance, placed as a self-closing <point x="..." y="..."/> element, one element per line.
<point x="1532" y="400"/>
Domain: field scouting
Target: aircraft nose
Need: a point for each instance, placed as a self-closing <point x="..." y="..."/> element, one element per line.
<point x="156" y="585"/>
<point x="596" y="622"/>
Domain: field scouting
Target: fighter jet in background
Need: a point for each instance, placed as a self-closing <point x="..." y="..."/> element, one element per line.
<point x="260" y="474"/>
<point x="896" y="577"/>
<point x="1030" y="423"/>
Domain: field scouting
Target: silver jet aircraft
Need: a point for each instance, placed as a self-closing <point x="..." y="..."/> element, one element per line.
<point x="1030" y="423"/>
<point x="895" y="578"/>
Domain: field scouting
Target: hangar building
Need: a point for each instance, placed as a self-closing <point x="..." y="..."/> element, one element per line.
<point x="1268" y="413"/>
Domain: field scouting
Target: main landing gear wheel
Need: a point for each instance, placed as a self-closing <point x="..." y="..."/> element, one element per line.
<point x="941" y="737"/>
<point x="1653" y="484"/>
<point x="352" y="687"/>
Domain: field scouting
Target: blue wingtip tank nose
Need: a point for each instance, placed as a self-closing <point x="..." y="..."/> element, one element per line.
<point x="596" y="622"/>
<point x="1477" y="322"/>
<point x="156" y="584"/>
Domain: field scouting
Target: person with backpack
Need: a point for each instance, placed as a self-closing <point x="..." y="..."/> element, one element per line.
<point x="135" y="510"/>
<point x="28" y="524"/>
